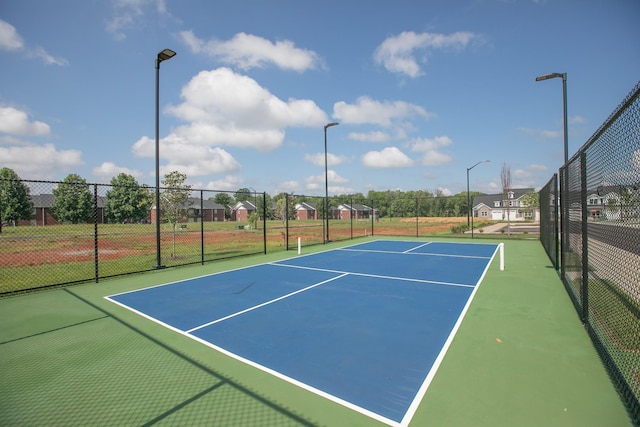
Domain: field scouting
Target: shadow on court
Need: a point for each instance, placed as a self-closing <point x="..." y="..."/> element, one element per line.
<point x="65" y="361"/>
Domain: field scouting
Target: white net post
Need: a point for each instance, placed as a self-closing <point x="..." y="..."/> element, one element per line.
<point x="501" y="246"/>
<point x="299" y="245"/>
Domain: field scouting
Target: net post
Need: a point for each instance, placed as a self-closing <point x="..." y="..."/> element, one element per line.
<point x="299" y="245"/>
<point x="501" y="246"/>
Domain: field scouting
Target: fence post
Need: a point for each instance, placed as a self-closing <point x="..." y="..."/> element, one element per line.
<point x="417" y="219"/>
<point x="556" y="227"/>
<point x="95" y="232"/>
<point x="585" y="238"/>
<point x="373" y="216"/>
<point x="286" y="221"/>
<point x="264" y="220"/>
<point x="351" y="216"/>
<point x="202" y="227"/>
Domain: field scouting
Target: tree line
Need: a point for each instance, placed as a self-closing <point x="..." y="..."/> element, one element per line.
<point x="129" y="201"/>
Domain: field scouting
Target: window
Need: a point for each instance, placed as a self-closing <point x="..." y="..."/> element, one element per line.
<point x="510" y="195"/>
<point x="496" y="204"/>
<point x="484" y="214"/>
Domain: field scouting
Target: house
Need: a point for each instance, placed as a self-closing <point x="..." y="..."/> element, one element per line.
<point x="493" y="207"/>
<point x="353" y="211"/>
<point x="613" y="203"/>
<point x="197" y="210"/>
<point x="241" y="211"/>
<point x="305" y="211"/>
<point x="42" y="215"/>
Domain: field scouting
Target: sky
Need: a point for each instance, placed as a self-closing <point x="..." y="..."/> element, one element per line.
<point x="422" y="90"/>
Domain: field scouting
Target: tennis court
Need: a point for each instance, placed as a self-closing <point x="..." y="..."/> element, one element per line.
<point x="364" y="326"/>
<point x="253" y="342"/>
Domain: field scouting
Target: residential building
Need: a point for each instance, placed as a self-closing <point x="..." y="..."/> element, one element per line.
<point x="495" y="207"/>
<point x="241" y="211"/>
<point x="305" y="210"/>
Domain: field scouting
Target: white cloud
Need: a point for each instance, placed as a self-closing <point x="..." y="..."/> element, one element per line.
<point x="9" y="37"/>
<point x="541" y="134"/>
<point x="39" y="161"/>
<point x="369" y="111"/>
<point x="128" y="13"/>
<point x="222" y="107"/>
<point x="318" y="159"/>
<point x="192" y="159"/>
<point x="577" y="120"/>
<point x="249" y="51"/>
<point x="227" y="183"/>
<point x="390" y="157"/>
<point x="443" y="191"/>
<point x="10" y="40"/>
<point x="288" y="187"/>
<point x="432" y="149"/>
<point x="16" y="122"/>
<point x="398" y="53"/>
<point x="317" y="182"/>
<point x="47" y="58"/>
<point x="375" y="136"/>
<point x="108" y="170"/>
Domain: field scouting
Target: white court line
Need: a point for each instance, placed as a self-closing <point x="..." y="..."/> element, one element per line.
<point x="417" y="247"/>
<point x="464" y="285"/>
<point x="417" y="400"/>
<point x="264" y="303"/>
<point x="413" y="253"/>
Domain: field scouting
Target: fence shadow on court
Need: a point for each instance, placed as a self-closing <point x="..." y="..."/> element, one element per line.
<point x="76" y="364"/>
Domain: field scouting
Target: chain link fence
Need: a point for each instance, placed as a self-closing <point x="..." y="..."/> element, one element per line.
<point x="59" y="233"/>
<point x="78" y="232"/>
<point x="600" y="242"/>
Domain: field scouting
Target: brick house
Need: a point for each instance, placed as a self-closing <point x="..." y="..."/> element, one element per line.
<point x="353" y="211"/>
<point x="196" y="211"/>
<point x="42" y="215"/>
<point x="305" y="211"/>
<point x="241" y="211"/>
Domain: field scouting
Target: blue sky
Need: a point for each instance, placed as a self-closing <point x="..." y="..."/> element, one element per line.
<point x="422" y="89"/>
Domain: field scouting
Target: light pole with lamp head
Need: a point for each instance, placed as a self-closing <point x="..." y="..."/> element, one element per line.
<point x="564" y="212"/>
<point x="162" y="56"/>
<point x="469" y="207"/>
<point x="563" y="76"/>
<point x="326" y="183"/>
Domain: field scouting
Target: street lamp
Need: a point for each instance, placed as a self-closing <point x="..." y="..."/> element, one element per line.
<point x="162" y="56"/>
<point x="563" y="76"/>
<point x="469" y="207"/>
<point x="326" y="183"/>
<point x="563" y="203"/>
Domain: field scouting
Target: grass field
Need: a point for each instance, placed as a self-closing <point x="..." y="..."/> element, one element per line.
<point x="32" y="257"/>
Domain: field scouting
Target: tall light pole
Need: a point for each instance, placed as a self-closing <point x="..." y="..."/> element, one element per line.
<point x="563" y="76"/>
<point x="469" y="207"/>
<point x="162" y="56"/>
<point x="564" y="211"/>
<point x="326" y="183"/>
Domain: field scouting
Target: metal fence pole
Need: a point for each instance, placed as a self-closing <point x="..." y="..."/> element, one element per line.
<point x="95" y="231"/>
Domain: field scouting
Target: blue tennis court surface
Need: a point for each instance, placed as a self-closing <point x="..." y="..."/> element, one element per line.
<point x="366" y="325"/>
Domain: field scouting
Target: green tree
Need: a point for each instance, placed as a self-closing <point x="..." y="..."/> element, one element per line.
<point x="15" y="201"/>
<point x="225" y="200"/>
<point x="127" y="200"/>
<point x="73" y="200"/>
<point x="243" y="194"/>
<point x="174" y="201"/>
<point x="280" y="211"/>
<point x="530" y="202"/>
